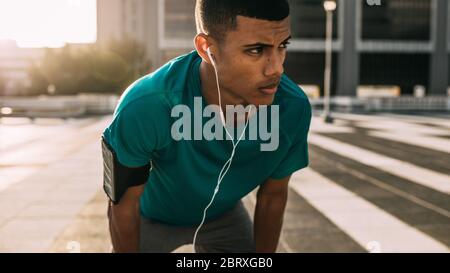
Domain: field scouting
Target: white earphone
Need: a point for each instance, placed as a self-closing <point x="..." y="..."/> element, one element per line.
<point x="222" y="116"/>
<point x="227" y="164"/>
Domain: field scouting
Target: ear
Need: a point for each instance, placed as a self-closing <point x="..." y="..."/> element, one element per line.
<point x="201" y="45"/>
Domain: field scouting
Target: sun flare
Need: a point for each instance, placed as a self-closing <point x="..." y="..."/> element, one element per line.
<point x="48" y="23"/>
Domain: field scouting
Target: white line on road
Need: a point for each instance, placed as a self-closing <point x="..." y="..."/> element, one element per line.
<point x="444" y="122"/>
<point x="364" y="222"/>
<point x="387" y="118"/>
<point x="429" y="142"/>
<point x="419" y="175"/>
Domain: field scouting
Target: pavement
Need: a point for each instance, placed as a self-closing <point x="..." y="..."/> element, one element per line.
<point x="60" y="170"/>
<point x="376" y="183"/>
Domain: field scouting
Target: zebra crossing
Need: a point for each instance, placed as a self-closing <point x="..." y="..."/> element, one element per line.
<point x="382" y="181"/>
<point x="362" y="220"/>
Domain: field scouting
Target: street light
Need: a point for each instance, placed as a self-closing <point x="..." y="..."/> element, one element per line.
<point x="329" y="6"/>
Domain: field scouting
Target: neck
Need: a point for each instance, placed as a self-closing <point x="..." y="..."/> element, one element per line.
<point x="210" y="92"/>
<point x="209" y="88"/>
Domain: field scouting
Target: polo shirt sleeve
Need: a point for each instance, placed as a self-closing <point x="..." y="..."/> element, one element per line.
<point x="297" y="156"/>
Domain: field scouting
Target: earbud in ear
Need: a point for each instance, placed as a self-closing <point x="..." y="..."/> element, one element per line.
<point x="208" y="50"/>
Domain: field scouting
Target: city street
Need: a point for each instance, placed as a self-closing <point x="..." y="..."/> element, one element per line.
<point x="376" y="183"/>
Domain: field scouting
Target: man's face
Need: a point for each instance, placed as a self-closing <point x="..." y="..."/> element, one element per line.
<point x="251" y="58"/>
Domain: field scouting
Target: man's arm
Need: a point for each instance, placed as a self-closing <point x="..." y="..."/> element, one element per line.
<point x="269" y="212"/>
<point x="124" y="221"/>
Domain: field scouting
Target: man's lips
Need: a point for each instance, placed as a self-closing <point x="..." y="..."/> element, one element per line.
<point x="269" y="90"/>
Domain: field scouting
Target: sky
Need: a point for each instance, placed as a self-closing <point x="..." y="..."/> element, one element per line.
<point x="48" y="23"/>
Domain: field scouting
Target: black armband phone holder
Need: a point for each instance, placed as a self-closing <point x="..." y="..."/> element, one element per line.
<point x="117" y="178"/>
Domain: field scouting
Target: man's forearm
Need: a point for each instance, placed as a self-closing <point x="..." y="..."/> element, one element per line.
<point x="268" y="222"/>
<point x="124" y="225"/>
<point x="124" y="221"/>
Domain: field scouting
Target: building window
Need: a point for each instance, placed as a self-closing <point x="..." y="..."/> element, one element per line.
<point x="179" y="19"/>
<point x="308" y="19"/>
<point x="397" y="20"/>
<point x="306" y="68"/>
<point x="395" y="69"/>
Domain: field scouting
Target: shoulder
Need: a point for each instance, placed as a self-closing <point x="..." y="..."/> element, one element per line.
<point x="295" y="109"/>
<point x="159" y="90"/>
<point x="289" y="89"/>
<point x="293" y="100"/>
<point x="139" y="127"/>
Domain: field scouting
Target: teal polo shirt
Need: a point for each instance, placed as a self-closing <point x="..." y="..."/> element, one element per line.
<point x="184" y="173"/>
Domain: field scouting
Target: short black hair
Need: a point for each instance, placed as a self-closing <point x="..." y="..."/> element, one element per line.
<point x="216" y="17"/>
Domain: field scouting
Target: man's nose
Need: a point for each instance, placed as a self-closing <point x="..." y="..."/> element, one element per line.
<point x="274" y="65"/>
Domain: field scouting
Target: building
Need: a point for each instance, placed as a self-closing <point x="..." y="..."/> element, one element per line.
<point x="137" y="19"/>
<point x="14" y="64"/>
<point x="403" y="43"/>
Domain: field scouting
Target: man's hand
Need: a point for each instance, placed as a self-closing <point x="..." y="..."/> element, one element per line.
<point x="124" y="221"/>
<point x="269" y="212"/>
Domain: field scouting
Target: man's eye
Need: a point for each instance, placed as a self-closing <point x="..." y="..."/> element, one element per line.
<point x="256" y="51"/>
<point x="285" y="45"/>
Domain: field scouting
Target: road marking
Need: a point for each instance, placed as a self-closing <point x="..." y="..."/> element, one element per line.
<point x="364" y="222"/>
<point x="419" y="175"/>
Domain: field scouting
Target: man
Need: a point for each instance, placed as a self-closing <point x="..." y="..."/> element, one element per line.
<point x="247" y="40"/>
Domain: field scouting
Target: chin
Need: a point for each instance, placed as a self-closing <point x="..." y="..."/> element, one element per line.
<point x="263" y="100"/>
